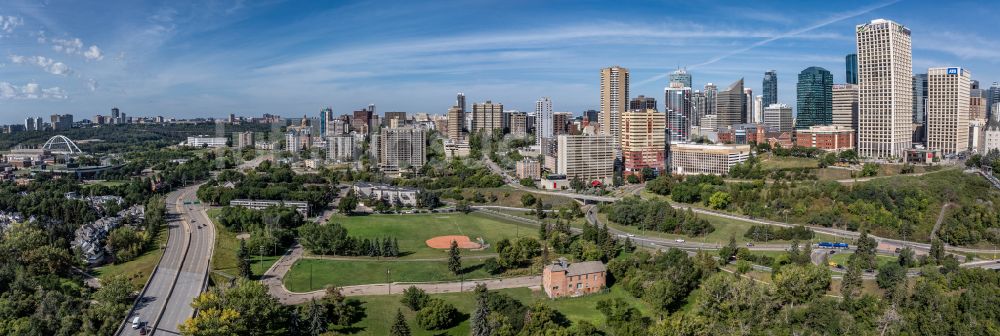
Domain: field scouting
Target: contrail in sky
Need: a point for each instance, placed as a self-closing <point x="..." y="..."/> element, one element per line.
<point x="795" y="32"/>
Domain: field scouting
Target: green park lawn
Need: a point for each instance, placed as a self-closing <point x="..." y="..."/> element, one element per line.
<point x="358" y="272"/>
<point x="138" y="269"/>
<point x="381" y="310"/>
<point x="782" y="162"/>
<point x="412" y="231"/>
<point x="841" y="258"/>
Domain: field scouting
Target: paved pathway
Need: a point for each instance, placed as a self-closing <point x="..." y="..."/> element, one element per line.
<point x="276" y="287"/>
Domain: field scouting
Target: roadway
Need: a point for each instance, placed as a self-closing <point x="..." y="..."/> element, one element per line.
<point x="182" y="273"/>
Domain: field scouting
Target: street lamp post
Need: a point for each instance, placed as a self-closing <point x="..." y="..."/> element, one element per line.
<point x="387" y="280"/>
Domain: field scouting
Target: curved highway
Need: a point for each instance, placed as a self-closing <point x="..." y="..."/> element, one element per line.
<point x="182" y="273"/>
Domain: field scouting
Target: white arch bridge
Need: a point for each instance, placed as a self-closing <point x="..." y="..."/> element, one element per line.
<point x="60" y="144"/>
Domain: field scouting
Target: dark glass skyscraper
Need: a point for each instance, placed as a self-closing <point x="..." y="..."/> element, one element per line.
<point x="919" y="98"/>
<point x="770" y="88"/>
<point x="815" y="98"/>
<point x="852" y="68"/>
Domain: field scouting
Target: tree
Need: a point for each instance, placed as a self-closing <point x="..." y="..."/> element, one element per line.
<point x="454" y="258"/>
<point x="243" y="261"/>
<point x="399" y="328"/>
<point x="414" y="298"/>
<point x="719" y="200"/>
<point x="851" y="284"/>
<point x="437" y="315"/>
<point x="866" y="251"/>
<point x="316" y="318"/>
<point x="906" y="258"/>
<point x="936" y="253"/>
<point x="729" y="251"/>
<point x="890" y="275"/>
<point x="243" y="309"/>
<point x="348" y="203"/>
<point x="798" y="284"/>
<point x="539" y="210"/>
<point x="528" y="199"/>
<point x="480" y="324"/>
<point x="527" y="182"/>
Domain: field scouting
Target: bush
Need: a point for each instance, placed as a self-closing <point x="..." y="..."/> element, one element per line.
<point x="415" y="298"/>
<point x="437" y="315"/>
<point x="492" y="266"/>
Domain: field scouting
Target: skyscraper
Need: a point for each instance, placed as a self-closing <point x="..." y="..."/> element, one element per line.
<point x="614" y="101"/>
<point x="747" y="105"/>
<point x="948" y="109"/>
<point x="885" y="76"/>
<point x="845" y="105"/>
<point x="814" y="97"/>
<point x="456" y="122"/>
<point x="992" y="97"/>
<point x="325" y="117"/>
<point x="779" y="116"/>
<point x="561" y="122"/>
<point x="731" y="104"/>
<point x="680" y="76"/>
<point x="487" y="117"/>
<point x="642" y="140"/>
<point x="642" y="103"/>
<point x="677" y="100"/>
<point x="920" y="99"/>
<point x="770" y="88"/>
<point x="851" y="63"/>
<point x="711" y="99"/>
<point x="543" y="119"/>
<point x="758" y="110"/>
<point x="401" y="149"/>
<point x="698" y="107"/>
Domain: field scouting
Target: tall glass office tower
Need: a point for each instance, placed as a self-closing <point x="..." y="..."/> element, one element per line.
<point x="770" y="88"/>
<point x="852" y="68"/>
<point x="815" y="98"/>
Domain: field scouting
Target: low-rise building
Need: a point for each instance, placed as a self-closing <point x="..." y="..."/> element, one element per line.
<point x="562" y="278"/>
<point x="706" y="159"/>
<point x="528" y="168"/>
<point x="456" y="148"/>
<point x="392" y="194"/>
<point x="90" y="238"/>
<point x="831" y="138"/>
<point x="205" y="141"/>
<point x="299" y="206"/>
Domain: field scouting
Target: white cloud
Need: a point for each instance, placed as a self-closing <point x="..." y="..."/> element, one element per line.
<point x="49" y="65"/>
<point x="31" y="91"/>
<point x="93" y="53"/>
<point x="92" y="84"/>
<point x="74" y="46"/>
<point x="8" y="23"/>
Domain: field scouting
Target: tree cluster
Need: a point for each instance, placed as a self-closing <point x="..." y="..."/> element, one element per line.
<point x="333" y="239"/>
<point x="656" y="215"/>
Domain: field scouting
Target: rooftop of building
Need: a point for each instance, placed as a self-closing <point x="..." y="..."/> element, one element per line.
<point x="579" y="268"/>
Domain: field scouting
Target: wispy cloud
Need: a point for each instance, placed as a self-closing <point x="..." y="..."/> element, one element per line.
<point x="47" y="64"/>
<point x="31" y="91"/>
<point x="789" y="34"/>
<point x="9" y="23"/>
<point x="74" y="46"/>
<point x="965" y="45"/>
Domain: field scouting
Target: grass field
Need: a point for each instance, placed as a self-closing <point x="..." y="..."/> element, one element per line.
<point x="138" y="269"/>
<point x="359" y="272"/>
<point x="381" y="310"/>
<point x="781" y="162"/>
<point x="413" y="230"/>
<point x="841" y="258"/>
<point x="224" y="262"/>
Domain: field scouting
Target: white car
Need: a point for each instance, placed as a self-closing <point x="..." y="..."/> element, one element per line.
<point x="631" y="235"/>
<point x="679" y="240"/>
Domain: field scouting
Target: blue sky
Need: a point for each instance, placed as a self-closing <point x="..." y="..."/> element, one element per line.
<point x="212" y="58"/>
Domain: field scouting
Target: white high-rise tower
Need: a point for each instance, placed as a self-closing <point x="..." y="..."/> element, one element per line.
<point x="543" y="119"/>
<point x="885" y="77"/>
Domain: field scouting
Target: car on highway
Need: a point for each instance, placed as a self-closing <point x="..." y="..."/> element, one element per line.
<point x="679" y="240"/>
<point x="136" y="323"/>
<point x="749" y="244"/>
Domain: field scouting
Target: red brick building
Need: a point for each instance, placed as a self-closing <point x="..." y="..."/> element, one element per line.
<point x="831" y="138"/>
<point x="561" y="278"/>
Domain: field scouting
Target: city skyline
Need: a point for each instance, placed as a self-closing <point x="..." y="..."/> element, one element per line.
<point x="268" y="58"/>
